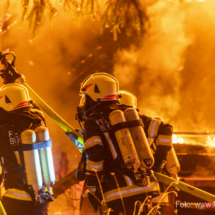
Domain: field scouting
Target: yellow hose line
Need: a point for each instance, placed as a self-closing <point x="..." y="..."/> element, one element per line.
<point x="2" y="210"/>
<point x="186" y="187"/>
<point x="50" y="112"/>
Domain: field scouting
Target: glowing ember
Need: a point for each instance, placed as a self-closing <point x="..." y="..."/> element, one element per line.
<point x="31" y="63"/>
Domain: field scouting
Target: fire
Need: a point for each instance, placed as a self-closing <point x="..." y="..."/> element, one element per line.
<point x="177" y="140"/>
<point x="195" y="139"/>
<point x="210" y="141"/>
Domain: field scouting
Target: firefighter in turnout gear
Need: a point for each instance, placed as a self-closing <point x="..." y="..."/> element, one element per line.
<point x="108" y="177"/>
<point x="17" y="114"/>
<point x="159" y="133"/>
<point x="161" y="150"/>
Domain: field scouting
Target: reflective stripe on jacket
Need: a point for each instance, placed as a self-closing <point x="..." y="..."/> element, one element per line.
<point x="17" y="194"/>
<point x="159" y="136"/>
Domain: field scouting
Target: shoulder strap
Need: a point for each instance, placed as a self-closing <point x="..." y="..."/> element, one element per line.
<point x="21" y="155"/>
<point x="30" y="147"/>
<point x="127" y="124"/>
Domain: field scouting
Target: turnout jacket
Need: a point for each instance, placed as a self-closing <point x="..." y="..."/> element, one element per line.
<point x="104" y="160"/>
<point x="159" y="135"/>
<point x="11" y="127"/>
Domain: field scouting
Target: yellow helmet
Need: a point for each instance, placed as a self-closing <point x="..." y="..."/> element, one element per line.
<point x="128" y="98"/>
<point x="14" y="96"/>
<point x="100" y="87"/>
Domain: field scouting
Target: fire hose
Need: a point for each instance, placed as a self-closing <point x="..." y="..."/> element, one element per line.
<point x="185" y="187"/>
<point x="2" y="210"/>
<point x="68" y="128"/>
<point x="50" y="112"/>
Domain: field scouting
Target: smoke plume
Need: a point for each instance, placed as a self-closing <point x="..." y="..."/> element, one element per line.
<point x="171" y="72"/>
<point x="154" y="68"/>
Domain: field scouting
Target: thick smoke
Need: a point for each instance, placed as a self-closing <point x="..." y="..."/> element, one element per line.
<point x="47" y="64"/>
<point x="198" y="75"/>
<point x="171" y="72"/>
<point x="154" y="68"/>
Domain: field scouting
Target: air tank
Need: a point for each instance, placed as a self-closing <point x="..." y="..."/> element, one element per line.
<point x="32" y="162"/>
<point x="125" y="142"/>
<point x="140" y="140"/>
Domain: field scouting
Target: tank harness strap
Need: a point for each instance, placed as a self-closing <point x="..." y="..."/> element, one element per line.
<point x="127" y="124"/>
<point x="30" y="147"/>
<point x="20" y="152"/>
<point x="107" y="135"/>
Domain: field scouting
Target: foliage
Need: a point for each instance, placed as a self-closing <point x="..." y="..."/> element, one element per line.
<point x="115" y="14"/>
<point x="121" y="13"/>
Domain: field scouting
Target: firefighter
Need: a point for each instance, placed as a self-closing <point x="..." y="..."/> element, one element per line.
<point x="17" y="114"/>
<point x="107" y="177"/>
<point x="160" y="151"/>
<point x="159" y="133"/>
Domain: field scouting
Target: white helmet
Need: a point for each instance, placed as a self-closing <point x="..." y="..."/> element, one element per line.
<point x="128" y="98"/>
<point x="14" y="96"/>
<point x="100" y="87"/>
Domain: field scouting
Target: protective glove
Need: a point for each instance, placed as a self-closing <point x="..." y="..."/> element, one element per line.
<point x="73" y="138"/>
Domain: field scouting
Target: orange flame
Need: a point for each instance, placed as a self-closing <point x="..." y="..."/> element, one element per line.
<point x="210" y="141"/>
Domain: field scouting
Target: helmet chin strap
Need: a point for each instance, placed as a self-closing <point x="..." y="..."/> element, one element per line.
<point x="80" y="116"/>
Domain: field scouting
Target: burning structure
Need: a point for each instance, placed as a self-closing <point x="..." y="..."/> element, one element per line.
<point x="169" y="67"/>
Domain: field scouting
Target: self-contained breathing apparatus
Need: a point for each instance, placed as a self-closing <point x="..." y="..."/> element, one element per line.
<point x="133" y="144"/>
<point x="33" y="150"/>
<point x="172" y="165"/>
<point x="36" y="146"/>
<point x="100" y="89"/>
